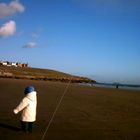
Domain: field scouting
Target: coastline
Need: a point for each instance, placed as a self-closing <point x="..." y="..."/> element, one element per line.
<point x="113" y="86"/>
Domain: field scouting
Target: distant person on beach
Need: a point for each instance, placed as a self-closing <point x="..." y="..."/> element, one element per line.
<point x="28" y="107"/>
<point x="117" y="86"/>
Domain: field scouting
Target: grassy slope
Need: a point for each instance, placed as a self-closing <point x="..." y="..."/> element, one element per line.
<point x="39" y="74"/>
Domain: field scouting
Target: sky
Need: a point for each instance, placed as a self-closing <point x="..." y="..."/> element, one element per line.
<point x="99" y="39"/>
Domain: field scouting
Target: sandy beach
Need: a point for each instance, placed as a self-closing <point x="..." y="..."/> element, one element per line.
<point x="86" y="113"/>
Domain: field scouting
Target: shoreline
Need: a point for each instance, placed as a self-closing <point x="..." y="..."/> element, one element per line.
<point x="126" y="87"/>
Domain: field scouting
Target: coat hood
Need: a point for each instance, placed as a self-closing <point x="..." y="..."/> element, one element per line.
<point x="32" y="96"/>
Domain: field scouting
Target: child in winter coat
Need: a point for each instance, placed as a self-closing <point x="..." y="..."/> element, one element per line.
<point x="28" y="107"/>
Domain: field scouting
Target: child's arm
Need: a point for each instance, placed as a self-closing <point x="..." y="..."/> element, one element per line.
<point x="22" y="105"/>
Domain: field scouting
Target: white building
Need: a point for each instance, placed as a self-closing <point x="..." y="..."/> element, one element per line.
<point x="4" y="63"/>
<point x="14" y="64"/>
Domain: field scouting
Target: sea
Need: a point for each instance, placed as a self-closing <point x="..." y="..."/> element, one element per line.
<point x="110" y="85"/>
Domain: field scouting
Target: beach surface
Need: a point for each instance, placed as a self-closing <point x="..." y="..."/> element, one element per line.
<point x="85" y="113"/>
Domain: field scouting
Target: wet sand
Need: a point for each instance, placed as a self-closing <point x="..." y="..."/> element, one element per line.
<point x="86" y="113"/>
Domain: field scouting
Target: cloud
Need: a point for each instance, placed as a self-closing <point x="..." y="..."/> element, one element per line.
<point x="10" y="9"/>
<point x="8" y="29"/>
<point x="30" y="45"/>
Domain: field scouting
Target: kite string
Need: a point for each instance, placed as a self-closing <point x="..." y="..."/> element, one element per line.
<point x="51" y="120"/>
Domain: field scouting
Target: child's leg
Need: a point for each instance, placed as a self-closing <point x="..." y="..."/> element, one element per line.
<point x="30" y="126"/>
<point x="24" y="126"/>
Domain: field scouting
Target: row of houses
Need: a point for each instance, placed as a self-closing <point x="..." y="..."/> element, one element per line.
<point x="14" y="64"/>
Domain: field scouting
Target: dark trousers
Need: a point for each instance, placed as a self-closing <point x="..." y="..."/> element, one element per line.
<point x="27" y="126"/>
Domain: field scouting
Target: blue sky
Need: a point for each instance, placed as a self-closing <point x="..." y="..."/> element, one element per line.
<point x="95" y="38"/>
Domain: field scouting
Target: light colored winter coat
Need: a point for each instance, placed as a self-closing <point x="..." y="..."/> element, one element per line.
<point x="28" y="107"/>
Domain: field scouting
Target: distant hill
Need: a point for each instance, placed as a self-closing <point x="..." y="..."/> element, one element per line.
<point x="40" y="74"/>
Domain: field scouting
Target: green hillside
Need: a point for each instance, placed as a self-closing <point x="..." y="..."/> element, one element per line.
<point x="40" y="74"/>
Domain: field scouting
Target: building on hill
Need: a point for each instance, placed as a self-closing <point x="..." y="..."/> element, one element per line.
<point x="13" y="64"/>
<point x="25" y="65"/>
<point x="19" y="64"/>
<point x="3" y="63"/>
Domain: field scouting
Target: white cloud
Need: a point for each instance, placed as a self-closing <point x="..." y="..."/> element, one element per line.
<point x="10" y="9"/>
<point x="17" y="6"/>
<point x="8" y="29"/>
<point x="30" y="45"/>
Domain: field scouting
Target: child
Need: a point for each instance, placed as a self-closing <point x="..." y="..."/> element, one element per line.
<point x="28" y="108"/>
